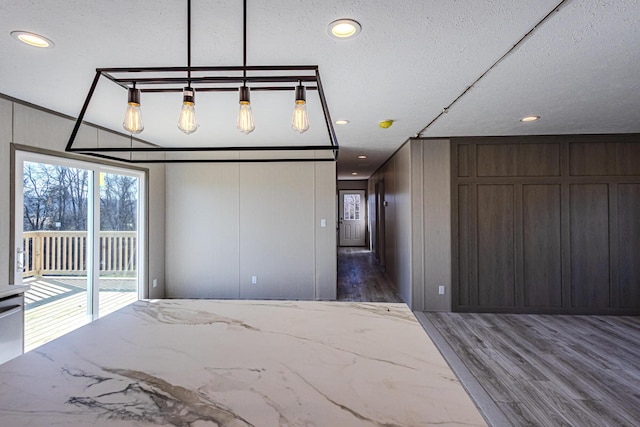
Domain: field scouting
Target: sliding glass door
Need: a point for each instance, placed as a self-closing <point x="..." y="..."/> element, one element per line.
<point x="78" y="245"/>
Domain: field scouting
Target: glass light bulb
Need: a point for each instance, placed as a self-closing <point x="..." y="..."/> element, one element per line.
<point x="245" y="118"/>
<point x="187" y="122"/>
<point x="133" y="119"/>
<point x="300" y="119"/>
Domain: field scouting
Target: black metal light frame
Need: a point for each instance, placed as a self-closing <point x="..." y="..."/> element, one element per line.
<point x="285" y="78"/>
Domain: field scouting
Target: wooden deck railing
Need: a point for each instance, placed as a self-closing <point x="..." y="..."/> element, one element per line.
<point x="64" y="252"/>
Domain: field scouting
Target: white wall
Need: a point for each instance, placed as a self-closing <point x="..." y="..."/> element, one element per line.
<point x="29" y="126"/>
<point x="417" y="222"/>
<point x="229" y="222"/>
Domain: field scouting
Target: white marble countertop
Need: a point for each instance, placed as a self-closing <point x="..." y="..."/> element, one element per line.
<point x="239" y="363"/>
<point x="10" y="290"/>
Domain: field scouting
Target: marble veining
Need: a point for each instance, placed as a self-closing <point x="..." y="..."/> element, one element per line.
<point x="238" y="363"/>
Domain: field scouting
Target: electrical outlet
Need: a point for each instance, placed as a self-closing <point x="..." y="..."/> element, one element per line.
<point x="441" y="290"/>
<point x="254" y="279"/>
<point x="155" y="283"/>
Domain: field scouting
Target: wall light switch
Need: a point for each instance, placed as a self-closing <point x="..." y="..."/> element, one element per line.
<point x="254" y="279"/>
<point x="441" y="290"/>
<point x="155" y="283"/>
<point x="323" y="223"/>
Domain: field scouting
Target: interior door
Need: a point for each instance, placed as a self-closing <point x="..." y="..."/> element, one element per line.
<point x="352" y="218"/>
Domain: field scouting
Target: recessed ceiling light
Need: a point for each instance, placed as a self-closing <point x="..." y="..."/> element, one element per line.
<point x="344" y="28"/>
<point x="342" y="122"/>
<point x="354" y="173"/>
<point x="529" y="119"/>
<point x="362" y="157"/>
<point x="32" y="39"/>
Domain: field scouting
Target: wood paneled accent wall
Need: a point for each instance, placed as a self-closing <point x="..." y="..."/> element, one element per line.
<point x="547" y="224"/>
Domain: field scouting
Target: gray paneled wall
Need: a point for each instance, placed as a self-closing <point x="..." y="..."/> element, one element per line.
<point x="6" y="135"/>
<point x="546" y="224"/>
<point x="42" y="129"/>
<point x="396" y="207"/>
<point x="227" y="223"/>
<point x="416" y="244"/>
<point x="432" y="223"/>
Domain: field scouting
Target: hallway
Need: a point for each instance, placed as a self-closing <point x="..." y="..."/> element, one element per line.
<point x="360" y="277"/>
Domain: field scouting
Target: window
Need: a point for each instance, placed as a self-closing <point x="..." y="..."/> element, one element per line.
<point x="351" y="206"/>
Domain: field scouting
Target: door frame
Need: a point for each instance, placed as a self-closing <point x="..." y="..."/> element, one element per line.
<point x="380" y="223"/>
<point x="20" y="153"/>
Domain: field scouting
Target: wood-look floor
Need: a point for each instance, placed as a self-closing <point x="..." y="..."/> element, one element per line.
<point x="546" y="370"/>
<point x="360" y="277"/>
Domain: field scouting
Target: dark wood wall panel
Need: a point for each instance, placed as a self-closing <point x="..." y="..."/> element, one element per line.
<point x="604" y="158"/>
<point x="627" y="156"/>
<point x="590" y="245"/>
<point x="546" y="224"/>
<point x="463" y="160"/>
<point x="496" y="235"/>
<point x="629" y="245"/>
<point x="542" y="250"/>
<point x="498" y="160"/>
<point x="463" y="248"/>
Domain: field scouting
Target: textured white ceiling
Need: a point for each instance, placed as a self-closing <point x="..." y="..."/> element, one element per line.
<point x="578" y="70"/>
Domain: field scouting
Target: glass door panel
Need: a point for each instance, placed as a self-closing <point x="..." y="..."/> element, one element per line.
<point x="55" y="221"/>
<point x="119" y="218"/>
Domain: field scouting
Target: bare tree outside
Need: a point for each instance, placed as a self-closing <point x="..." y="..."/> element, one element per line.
<point x="118" y="203"/>
<point x="55" y="198"/>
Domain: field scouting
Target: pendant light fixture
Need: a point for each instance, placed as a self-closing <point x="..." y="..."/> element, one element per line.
<point x="187" y="122"/>
<point x="245" y="122"/>
<point x="132" y="122"/>
<point x="207" y="81"/>
<point x="300" y="119"/>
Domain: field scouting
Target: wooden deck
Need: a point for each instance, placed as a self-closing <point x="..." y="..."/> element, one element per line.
<point x="55" y="306"/>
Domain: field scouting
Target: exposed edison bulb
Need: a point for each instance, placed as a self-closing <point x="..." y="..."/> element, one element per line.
<point x="133" y="116"/>
<point x="133" y="119"/>
<point x="245" y="119"/>
<point x="300" y="119"/>
<point x="187" y="122"/>
<point x="245" y="115"/>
